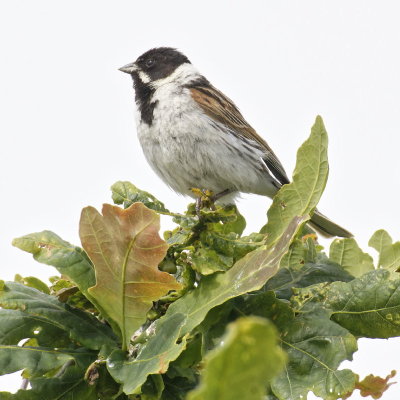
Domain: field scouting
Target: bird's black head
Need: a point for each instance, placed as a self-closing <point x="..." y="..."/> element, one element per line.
<point x="155" y="64"/>
<point x="148" y="72"/>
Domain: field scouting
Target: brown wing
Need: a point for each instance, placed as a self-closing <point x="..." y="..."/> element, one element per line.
<point x="220" y="108"/>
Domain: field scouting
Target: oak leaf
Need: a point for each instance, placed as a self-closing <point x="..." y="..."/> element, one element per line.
<point x="125" y="248"/>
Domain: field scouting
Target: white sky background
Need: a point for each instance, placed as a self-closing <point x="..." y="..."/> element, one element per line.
<point x="67" y="122"/>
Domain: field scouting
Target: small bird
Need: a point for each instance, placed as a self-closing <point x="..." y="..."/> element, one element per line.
<point x="194" y="136"/>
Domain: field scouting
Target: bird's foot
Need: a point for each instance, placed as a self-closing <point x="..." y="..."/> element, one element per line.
<point x="204" y="198"/>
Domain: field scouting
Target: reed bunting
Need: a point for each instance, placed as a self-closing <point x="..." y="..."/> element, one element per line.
<point x="193" y="136"/>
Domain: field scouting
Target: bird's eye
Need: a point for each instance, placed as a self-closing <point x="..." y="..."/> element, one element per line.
<point x="149" y="62"/>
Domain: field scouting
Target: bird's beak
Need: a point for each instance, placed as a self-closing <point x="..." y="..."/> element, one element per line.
<point x="129" y="68"/>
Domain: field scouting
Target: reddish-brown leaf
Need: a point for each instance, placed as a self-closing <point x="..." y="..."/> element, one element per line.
<point x="125" y="248"/>
<point x="374" y="386"/>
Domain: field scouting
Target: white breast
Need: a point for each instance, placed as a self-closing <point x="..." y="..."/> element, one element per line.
<point x="188" y="149"/>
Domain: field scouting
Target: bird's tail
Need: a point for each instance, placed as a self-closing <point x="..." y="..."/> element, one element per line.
<point x="326" y="227"/>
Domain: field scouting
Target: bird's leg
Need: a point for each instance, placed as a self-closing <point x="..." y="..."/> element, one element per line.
<point x="206" y="198"/>
<point x="217" y="196"/>
<point x="203" y="199"/>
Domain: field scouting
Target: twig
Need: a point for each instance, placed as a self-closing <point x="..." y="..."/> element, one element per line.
<point x="24" y="384"/>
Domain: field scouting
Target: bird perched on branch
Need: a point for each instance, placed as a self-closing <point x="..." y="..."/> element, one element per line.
<point x="193" y="136"/>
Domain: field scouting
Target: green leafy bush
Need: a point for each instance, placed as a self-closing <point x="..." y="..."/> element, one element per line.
<point x="205" y="313"/>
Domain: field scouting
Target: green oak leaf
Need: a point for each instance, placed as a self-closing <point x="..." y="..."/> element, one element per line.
<point x="16" y="325"/>
<point x="389" y="252"/>
<point x="240" y="368"/>
<point x="36" y="361"/>
<point x="153" y="388"/>
<point x="315" y="347"/>
<point x="368" y="306"/>
<point x="48" y="248"/>
<point x="69" y="260"/>
<point x="237" y="224"/>
<point x="31" y="281"/>
<point x="296" y="256"/>
<point x="348" y="254"/>
<point x="81" y="326"/>
<point x="69" y="385"/>
<point x="266" y="305"/>
<point x="309" y="179"/>
<point x="106" y="387"/>
<point x="288" y="279"/>
<point x="206" y="261"/>
<point x="212" y="328"/>
<point x="230" y="244"/>
<point x="176" y="388"/>
<point x="189" y="358"/>
<point x="126" y="193"/>
<point x="153" y="358"/>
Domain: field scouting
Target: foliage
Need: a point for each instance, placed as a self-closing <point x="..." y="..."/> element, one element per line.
<point x="205" y="313"/>
<point x="373" y="386"/>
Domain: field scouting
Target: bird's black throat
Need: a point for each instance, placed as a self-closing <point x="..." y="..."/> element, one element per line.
<point x="143" y="95"/>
